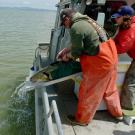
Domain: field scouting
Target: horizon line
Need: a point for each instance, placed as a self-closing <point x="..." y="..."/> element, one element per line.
<point x="22" y="7"/>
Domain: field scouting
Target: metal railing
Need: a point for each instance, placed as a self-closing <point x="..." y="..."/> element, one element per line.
<point x="54" y="110"/>
<point x="47" y="115"/>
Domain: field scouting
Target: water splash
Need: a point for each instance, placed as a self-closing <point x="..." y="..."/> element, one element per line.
<point x="21" y="111"/>
<point x="22" y="90"/>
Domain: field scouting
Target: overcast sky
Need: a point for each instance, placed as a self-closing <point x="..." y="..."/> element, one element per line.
<point x="45" y="4"/>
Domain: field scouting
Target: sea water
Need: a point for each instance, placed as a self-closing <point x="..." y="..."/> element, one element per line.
<point x="20" y="32"/>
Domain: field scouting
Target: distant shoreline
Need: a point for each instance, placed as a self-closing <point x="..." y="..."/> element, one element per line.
<point x="27" y="8"/>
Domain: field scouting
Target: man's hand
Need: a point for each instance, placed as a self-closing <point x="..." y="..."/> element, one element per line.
<point x="65" y="58"/>
<point x="63" y="55"/>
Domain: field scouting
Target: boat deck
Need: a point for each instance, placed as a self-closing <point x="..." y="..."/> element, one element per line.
<point x="103" y="123"/>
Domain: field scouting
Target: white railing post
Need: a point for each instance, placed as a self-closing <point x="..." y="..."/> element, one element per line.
<point x="46" y="111"/>
<point x="37" y="112"/>
<point x="57" y="118"/>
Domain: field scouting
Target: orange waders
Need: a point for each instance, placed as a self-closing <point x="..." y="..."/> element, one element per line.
<point x="99" y="82"/>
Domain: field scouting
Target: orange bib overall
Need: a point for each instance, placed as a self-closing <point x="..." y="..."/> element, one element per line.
<point x="98" y="82"/>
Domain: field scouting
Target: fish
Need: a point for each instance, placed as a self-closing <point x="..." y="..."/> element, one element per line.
<point x="56" y="70"/>
<point x="44" y="74"/>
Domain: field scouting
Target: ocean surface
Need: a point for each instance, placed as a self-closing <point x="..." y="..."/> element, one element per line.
<point x="20" y="32"/>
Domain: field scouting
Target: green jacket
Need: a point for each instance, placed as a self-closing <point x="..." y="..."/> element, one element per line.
<point x="84" y="37"/>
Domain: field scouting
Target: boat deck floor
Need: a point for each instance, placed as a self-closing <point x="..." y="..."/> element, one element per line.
<point x="103" y="123"/>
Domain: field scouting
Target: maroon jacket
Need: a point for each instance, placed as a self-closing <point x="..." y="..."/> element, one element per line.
<point x="125" y="40"/>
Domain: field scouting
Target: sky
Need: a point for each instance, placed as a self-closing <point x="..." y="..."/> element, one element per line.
<point x="41" y="4"/>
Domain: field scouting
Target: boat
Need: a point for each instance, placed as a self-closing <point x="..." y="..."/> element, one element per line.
<point x="55" y="99"/>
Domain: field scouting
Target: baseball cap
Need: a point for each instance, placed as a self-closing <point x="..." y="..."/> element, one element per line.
<point x="65" y="13"/>
<point x="124" y="10"/>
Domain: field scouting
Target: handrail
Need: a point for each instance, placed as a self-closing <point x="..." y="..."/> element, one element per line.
<point x="37" y="112"/>
<point x="57" y="117"/>
<point x="48" y="120"/>
<point x="32" y="85"/>
<point x="48" y="111"/>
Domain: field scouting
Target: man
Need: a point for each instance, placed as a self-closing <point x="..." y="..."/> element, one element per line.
<point x="98" y="61"/>
<point x="125" y="43"/>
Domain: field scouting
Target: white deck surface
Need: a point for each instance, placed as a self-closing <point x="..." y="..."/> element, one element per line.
<point x="102" y="124"/>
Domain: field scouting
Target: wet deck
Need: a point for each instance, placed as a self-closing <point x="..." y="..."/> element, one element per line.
<point x="103" y="123"/>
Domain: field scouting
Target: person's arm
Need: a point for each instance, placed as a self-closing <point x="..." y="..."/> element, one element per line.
<point x="124" y="42"/>
<point x="77" y="43"/>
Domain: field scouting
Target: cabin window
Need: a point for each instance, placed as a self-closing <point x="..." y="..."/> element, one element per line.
<point x="67" y="6"/>
<point x="93" y="10"/>
<point x="109" y="8"/>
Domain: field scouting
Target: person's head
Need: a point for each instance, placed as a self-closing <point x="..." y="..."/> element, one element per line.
<point x="123" y="16"/>
<point x="66" y="17"/>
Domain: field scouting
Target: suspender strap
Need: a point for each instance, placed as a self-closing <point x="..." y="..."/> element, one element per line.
<point x="100" y="30"/>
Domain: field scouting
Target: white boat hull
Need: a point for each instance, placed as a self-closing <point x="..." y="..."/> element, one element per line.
<point x="122" y="68"/>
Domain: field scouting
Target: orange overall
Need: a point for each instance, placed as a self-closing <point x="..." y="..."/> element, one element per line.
<point x="99" y="82"/>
